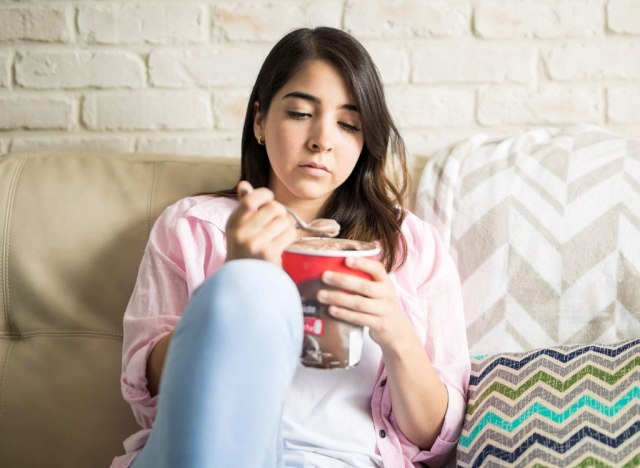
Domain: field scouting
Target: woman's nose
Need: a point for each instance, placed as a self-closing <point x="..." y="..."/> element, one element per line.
<point x="321" y="138"/>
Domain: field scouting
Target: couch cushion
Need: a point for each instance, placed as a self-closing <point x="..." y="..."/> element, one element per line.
<point x="74" y="227"/>
<point x="544" y="228"/>
<point x="560" y="406"/>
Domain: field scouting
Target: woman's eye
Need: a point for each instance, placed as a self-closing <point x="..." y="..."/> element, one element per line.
<point x="297" y="115"/>
<point x="348" y="127"/>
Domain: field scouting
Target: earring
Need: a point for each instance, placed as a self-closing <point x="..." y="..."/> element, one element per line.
<point x="260" y="140"/>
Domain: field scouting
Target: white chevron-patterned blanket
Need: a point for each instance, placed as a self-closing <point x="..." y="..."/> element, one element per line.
<point x="545" y="230"/>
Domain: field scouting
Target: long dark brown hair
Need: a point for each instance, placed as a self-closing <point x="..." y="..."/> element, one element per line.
<point x="368" y="205"/>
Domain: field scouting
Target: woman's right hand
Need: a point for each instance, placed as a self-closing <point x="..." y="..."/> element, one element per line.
<point x="259" y="227"/>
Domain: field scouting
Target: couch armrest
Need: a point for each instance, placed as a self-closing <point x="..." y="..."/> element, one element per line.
<point x="74" y="227"/>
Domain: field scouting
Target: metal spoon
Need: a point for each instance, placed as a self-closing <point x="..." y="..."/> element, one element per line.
<point x="320" y="227"/>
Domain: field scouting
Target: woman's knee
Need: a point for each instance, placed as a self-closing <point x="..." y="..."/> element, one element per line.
<point x="248" y="297"/>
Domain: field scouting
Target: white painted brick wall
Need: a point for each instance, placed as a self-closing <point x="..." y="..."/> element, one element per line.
<point x="37" y="112"/>
<point x="173" y="76"/>
<point x="148" y="22"/>
<point x="624" y="16"/>
<point x="548" y="105"/>
<point x="539" y="18"/>
<point x="425" y="107"/>
<point x="391" y="60"/>
<point x="595" y="61"/>
<point x="230" y="64"/>
<point x="5" y="69"/>
<point x="31" y="22"/>
<point x="474" y="63"/>
<point x="229" y="108"/>
<point x="270" y="20"/>
<point x="408" y="19"/>
<point x="218" y="145"/>
<point x="79" y="69"/>
<point x="623" y="104"/>
<point x="80" y="143"/>
<point x="148" y="110"/>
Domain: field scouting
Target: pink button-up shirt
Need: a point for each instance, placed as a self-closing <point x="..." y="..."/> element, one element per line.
<point x="187" y="244"/>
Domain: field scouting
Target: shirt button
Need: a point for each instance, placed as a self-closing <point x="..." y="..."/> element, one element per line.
<point x="384" y="382"/>
<point x="382" y="434"/>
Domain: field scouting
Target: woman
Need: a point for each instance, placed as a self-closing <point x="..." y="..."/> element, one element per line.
<point x="317" y="138"/>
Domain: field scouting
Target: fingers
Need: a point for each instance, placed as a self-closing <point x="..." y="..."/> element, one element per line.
<point x="259" y="227"/>
<point x="345" y="300"/>
<point x="267" y="216"/>
<point x="243" y="188"/>
<point x="368" y="265"/>
<point x="355" y="318"/>
<point x="270" y="234"/>
<point x="251" y="202"/>
<point x="369" y="302"/>
<point x="353" y="298"/>
<point x="377" y="286"/>
<point x="252" y="199"/>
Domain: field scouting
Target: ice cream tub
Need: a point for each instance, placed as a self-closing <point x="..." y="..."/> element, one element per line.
<point x="329" y="343"/>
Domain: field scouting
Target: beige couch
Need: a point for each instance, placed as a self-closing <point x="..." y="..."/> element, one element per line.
<point x="74" y="227"/>
<point x="73" y="231"/>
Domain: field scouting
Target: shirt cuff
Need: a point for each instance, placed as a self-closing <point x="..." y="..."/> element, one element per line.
<point x="445" y="444"/>
<point x="134" y="385"/>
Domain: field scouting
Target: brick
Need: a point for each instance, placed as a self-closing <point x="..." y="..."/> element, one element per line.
<point x="623" y="16"/>
<point x="74" y="143"/>
<point x="5" y="70"/>
<point x="594" y="61"/>
<point x="196" y="145"/>
<point x="414" y="106"/>
<point x="79" y="69"/>
<point x="36" y="23"/>
<point x="232" y="64"/>
<point x="420" y="143"/>
<point x="406" y="18"/>
<point x="474" y="63"/>
<point x="539" y="18"/>
<point x="115" y="23"/>
<point x="623" y="105"/>
<point x="147" y="110"/>
<point x="628" y="131"/>
<point x="269" y="21"/>
<point x="547" y="105"/>
<point x="392" y="61"/>
<point x="417" y="143"/>
<point x="229" y="109"/>
<point x="36" y="112"/>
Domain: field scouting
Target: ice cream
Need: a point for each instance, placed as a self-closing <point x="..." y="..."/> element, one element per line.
<point x="332" y="247"/>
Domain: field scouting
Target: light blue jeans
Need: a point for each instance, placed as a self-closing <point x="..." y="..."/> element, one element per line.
<point x="231" y="360"/>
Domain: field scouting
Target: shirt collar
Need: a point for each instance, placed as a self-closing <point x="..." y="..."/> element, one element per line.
<point x="214" y="210"/>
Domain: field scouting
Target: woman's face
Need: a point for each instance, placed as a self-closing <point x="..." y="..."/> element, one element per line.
<point x="313" y="137"/>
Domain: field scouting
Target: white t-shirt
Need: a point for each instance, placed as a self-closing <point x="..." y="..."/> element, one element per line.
<point x="327" y="415"/>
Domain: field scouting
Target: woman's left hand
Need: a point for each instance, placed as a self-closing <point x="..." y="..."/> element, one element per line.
<point x="369" y="302"/>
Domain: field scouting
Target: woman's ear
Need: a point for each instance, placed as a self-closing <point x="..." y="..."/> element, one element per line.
<point x="258" y="117"/>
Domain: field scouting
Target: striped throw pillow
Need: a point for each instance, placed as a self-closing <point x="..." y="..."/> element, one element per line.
<point x="544" y="228"/>
<point x="559" y="406"/>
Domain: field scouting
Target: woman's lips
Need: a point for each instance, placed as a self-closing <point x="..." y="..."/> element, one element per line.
<point x="315" y="169"/>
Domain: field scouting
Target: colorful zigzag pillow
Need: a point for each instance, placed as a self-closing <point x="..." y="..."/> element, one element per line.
<point x="559" y="406"/>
